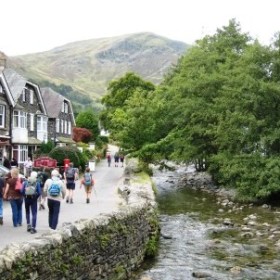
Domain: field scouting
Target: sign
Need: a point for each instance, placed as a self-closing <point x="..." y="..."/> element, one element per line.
<point x="91" y="165"/>
<point x="45" y="162"/>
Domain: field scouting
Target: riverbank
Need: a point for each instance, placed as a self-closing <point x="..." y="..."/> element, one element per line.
<point x="204" y="235"/>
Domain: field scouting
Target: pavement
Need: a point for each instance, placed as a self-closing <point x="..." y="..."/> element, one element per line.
<point x="104" y="200"/>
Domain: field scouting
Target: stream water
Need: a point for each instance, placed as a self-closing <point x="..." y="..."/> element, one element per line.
<point x="202" y="237"/>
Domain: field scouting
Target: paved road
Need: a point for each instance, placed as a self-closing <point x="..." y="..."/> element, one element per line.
<point x="104" y="200"/>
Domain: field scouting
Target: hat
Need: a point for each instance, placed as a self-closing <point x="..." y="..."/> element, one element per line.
<point x="55" y="173"/>
<point x="33" y="174"/>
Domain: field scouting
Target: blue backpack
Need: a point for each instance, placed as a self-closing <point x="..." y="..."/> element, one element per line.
<point x="88" y="179"/>
<point x="54" y="188"/>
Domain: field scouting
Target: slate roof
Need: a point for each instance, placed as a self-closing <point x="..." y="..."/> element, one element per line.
<point x="53" y="102"/>
<point x="16" y="84"/>
<point x="3" y="82"/>
<point x="15" y="81"/>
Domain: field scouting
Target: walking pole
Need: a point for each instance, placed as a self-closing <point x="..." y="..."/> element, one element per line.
<point x="94" y="190"/>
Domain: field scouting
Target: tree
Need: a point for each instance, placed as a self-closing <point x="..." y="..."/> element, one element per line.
<point x="119" y="92"/>
<point x="81" y="135"/>
<point x="87" y="119"/>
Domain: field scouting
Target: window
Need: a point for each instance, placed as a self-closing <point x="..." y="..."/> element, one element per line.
<point x="31" y="96"/>
<point x="1" y="89"/>
<point x="20" y="119"/>
<point x="32" y="122"/>
<point x="69" y="128"/>
<point x="62" y="126"/>
<point x="22" y="152"/>
<point x="24" y="94"/>
<point x="42" y="123"/>
<point x="65" y="107"/>
<point x="57" y="125"/>
<point x="65" y="127"/>
<point x="2" y="115"/>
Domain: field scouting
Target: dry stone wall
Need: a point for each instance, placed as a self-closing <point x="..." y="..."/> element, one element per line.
<point x="105" y="247"/>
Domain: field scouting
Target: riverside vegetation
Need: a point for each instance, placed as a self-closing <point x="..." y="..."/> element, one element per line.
<point x="217" y="108"/>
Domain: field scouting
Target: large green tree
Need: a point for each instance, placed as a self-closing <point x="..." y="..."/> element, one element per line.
<point x="126" y="114"/>
<point x="89" y="120"/>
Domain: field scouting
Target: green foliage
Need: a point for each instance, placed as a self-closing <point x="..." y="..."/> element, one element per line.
<point x="219" y="108"/>
<point x="101" y="141"/>
<point x="89" y="120"/>
<point x="45" y="148"/>
<point x="70" y="152"/>
<point x="151" y="247"/>
<point x="128" y="112"/>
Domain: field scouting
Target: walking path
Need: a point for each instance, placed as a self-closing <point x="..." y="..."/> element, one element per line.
<point x="104" y="200"/>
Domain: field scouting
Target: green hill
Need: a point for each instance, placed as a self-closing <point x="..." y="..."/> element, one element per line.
<point x="88" y="66"/>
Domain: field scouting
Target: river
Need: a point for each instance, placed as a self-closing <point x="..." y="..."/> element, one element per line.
<point x="209" y="238"/>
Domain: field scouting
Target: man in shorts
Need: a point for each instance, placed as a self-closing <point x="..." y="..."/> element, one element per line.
<point x="70" y="175"/>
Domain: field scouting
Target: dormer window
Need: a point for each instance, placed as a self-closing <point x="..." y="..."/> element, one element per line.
<point x="1" y="89"/>
<point x="65" y="108"/>
<point x="2" y="116"/>
<point x="24" y="94"/>
<point x="31" y="96"/>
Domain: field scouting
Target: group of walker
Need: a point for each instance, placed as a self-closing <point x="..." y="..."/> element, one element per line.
<point x="117" y="158"/>
<point x="40" y="185"/>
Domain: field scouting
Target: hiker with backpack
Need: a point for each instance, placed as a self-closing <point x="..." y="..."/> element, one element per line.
<point x="31" y="190"/>
<point x="56" y="191"/>
<point x="43" y="175"/>
<point x="88" y="183"/>
<point x="70" y="176"/>
<point x="13" y="194"/>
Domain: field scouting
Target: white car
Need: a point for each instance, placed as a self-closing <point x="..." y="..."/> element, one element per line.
<point x="4" y="171"/>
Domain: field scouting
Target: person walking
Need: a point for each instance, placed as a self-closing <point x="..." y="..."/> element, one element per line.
<point x="70" y="176"/>
<point x="31" y="190"/>
<point x="88" y="183"/>
<point x="12" y="193"/>
<point x="28" y="164"/>
<point x="6" y="163"/>
<point x="109" y="159"/>
<point x="116" y="158"/>
<point x="14" y="163"/>
<point x="122" y="159"/>
<point x="43" y="176"/>
<point x="1" y="199"/>
<point x="55" y="191"/>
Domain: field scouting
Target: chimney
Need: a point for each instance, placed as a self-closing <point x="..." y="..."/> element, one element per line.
<point x="3" y="61"/>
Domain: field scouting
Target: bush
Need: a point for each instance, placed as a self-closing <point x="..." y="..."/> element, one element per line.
<point x="70" y="152"/>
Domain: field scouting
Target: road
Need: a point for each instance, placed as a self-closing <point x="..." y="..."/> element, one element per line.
<point x="104" y="200"/>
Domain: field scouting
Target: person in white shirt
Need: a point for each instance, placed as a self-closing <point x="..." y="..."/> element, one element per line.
<point x="55" y="190"/>
<point x="28" y="164"/>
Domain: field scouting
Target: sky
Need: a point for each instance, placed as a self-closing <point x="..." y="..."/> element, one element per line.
<point x="30" y="26"/>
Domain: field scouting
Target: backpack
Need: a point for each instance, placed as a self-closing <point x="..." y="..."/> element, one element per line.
<point x="87" y="179"/>
<point x="18" y="186"/>
<point x="54" y="188"/>
<point x="70" y="173"/>
<point x="30" y="188"/>
<point x="41" y="179"/>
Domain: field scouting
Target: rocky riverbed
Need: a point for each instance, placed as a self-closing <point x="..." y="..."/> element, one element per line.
<point x="207" y="235"/>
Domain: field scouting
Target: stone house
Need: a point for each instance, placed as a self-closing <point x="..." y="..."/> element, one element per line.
<point x="60" y="117"/>
<point x="7" y="104"/>
<point x="28" y="116"/>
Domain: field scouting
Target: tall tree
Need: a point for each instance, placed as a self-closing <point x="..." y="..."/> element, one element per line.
<point x="89" y="120"/>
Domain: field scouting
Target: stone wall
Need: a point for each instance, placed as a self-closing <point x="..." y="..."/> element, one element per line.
<point x="105" y="247"/>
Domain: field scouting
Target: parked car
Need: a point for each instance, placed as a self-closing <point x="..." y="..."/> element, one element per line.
<point x="4" y="171"/>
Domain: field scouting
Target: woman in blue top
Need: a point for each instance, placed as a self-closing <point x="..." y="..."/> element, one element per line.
<point x="31" y="190"/>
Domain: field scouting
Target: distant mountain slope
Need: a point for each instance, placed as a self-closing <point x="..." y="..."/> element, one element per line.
<point x="88" y="66"/>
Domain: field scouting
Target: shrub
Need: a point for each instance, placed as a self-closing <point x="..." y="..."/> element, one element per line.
<point x="70" y="152"/>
